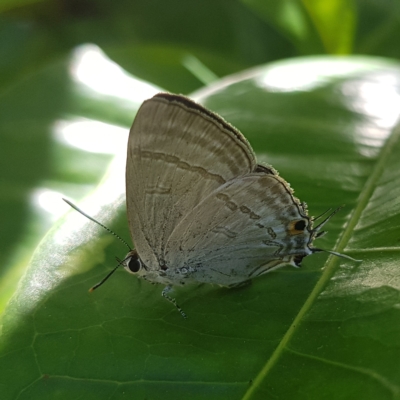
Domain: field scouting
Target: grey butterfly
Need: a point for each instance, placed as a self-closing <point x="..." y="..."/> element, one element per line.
<point x="200" y="207"/>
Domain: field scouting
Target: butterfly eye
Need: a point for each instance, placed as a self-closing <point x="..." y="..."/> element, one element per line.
<point x="133" y="264"/>
<point x="297" y="227"/>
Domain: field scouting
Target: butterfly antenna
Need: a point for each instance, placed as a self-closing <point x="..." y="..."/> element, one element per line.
<point x="108" y="275"/>
<point x="103" y="226"/>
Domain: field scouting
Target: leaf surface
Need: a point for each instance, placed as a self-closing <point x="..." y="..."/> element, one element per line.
<point x="328" y="330"/>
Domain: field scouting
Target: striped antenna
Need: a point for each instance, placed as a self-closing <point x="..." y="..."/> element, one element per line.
<point x="97" y="222"/>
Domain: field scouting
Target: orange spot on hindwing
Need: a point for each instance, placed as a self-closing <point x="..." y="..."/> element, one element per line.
<point x="297" y="226"/>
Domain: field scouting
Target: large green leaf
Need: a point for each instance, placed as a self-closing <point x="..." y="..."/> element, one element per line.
<point x="329" y="330"/>
<point x="46" y="122"/>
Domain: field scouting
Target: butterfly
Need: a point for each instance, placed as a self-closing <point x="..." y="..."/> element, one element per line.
<point x="201" y="209"/>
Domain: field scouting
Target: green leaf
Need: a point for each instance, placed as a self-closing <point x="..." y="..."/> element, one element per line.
<point x="335" y="22"/>
<point x="148" y="38"/>
<point x="47" y="122"/>
<point x="313" y="26"/>
<point x="378" y="28"/>
<point x="329" y="330"/>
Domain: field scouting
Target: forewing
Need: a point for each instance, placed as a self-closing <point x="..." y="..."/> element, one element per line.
<point x="243" y="228"/>
<point x="178" y="153"/>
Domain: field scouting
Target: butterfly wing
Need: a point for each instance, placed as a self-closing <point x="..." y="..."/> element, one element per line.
<point x="241" y="230"/>
<point x="178" y="153"/>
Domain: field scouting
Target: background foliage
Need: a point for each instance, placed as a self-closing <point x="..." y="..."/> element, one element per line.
<point x="348" y="154"/>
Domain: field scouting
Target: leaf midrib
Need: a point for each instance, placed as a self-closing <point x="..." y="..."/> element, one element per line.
<point x="332" y="261"/>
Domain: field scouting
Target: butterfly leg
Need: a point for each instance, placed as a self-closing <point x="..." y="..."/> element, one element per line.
<point x="164" y="294"/>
